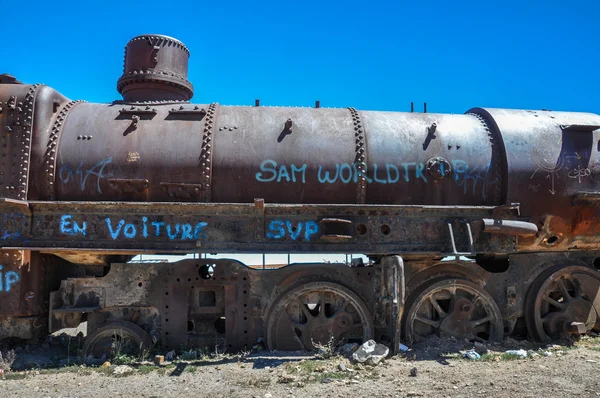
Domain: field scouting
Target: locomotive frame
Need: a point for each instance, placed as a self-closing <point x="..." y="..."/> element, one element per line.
<point x="481" y="270"/>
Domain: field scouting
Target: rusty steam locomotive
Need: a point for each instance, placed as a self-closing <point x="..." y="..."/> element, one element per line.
<point x="477" y="226"/>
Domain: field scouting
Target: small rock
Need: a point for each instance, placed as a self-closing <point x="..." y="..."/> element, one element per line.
<point x="371" y="352"/>
<point x="327" y="380"/>
<point x="342" y="367"/>
<point x="268" y="395"/>
<point x="285" y="379"/>
<point x="591" y="361"/>
<point x="413" y="372"/>
<point x="414" y="394"/>
<point x="122" y="369"/>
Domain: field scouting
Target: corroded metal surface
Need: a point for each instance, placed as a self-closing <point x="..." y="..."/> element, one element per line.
<point x="511" y="195"/>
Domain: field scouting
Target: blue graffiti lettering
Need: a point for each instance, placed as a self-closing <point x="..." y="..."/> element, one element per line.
<point x="391" y="167"/>
<point x="7" y="235"/>
<point x="379" y="180"/>
<point x="67" y="173"/>
<point x="8" y="280"/>
<point x="186" y="231"/>
<point x="114" y="234"/>
<point x="465" y="175"/>
<point x="174" y="234"/>
<point x="345" y="166"/>
<point x="264" y="168"/>
<point x="199" y="230"/>
<point x="279" y="229"/>
<point x="157" y="226"/>
<point x="419" y="172"/>
<point x="269" y="172"/>
<point x="326" y="177"/>
<point x="405" y="165"/>
<point x="301" y="170"/>
<point x="130" y="231"/>
<point x="283" y="173"/>
<point x="173" y="231"/>
<point x="276" y="230"/>
<point x="69" y="227"/>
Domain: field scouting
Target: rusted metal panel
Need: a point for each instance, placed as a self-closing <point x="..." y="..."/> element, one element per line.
<point x="187" y="227"/>
<point x="551" y="157"/>
<point x="16" y="122"/>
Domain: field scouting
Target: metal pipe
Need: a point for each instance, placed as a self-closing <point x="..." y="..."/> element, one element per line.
<point x="509" y="227"/>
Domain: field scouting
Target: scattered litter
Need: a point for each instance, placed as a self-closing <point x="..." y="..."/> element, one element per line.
<point x="169" y="356"/>
<point x="105" y="365"/>
<point x="472" y="354"/>
<point x="158" y="360"/>
<point x="327" y="380"/>
<point x="520" y="353"/>
<point x="402" y="347"/>
<point x="371" y="352"/>
<point x="547" y="353"/>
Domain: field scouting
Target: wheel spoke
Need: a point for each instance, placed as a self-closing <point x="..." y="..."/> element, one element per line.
<point x="303" y="308"/>
<point x="437" y="307"/>
<point x="429" y="322"/>
<point x="553" y="302"/>
<point x="578" y="289"/>
<point x="563" y="289"/>
<point x="340" y="310"/>
<point x="321" y="304"/>
<point x="481" y="321"/>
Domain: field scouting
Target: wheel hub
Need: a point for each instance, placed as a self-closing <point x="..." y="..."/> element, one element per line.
<point x="578" y="317"/>
<point x="458" y="323"/>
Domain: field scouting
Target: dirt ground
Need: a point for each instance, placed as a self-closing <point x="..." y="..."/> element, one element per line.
<point x="441" y="371"/>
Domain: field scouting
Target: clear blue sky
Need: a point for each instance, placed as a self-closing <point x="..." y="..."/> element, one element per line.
<point x="369" y="55"/>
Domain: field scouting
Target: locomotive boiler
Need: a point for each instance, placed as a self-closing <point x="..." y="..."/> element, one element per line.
<point x="477" y="226"/>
